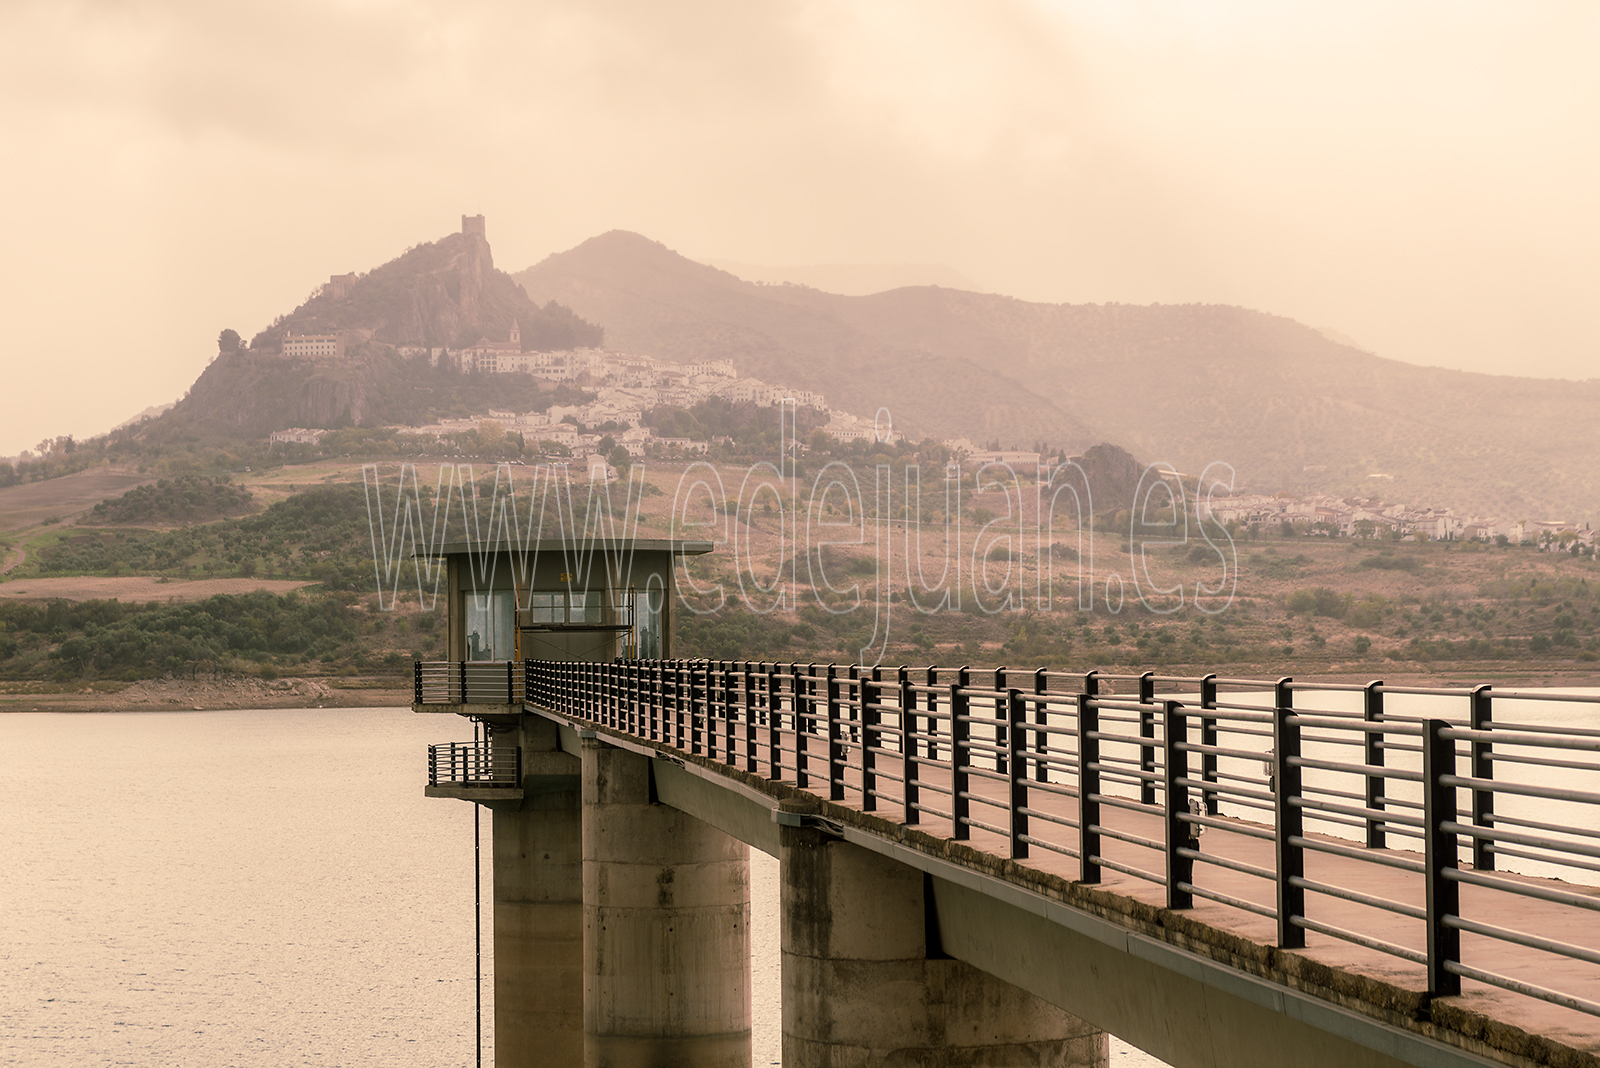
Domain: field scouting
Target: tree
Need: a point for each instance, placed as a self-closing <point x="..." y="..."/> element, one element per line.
<point x="228" y="341"/>
<point x="620" y="458"/>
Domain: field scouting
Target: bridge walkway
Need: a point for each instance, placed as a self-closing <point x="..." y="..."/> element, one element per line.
<point x="1346" y="848"/>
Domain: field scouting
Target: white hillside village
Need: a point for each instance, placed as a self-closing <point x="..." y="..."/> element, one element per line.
<point x="626" y="385"/>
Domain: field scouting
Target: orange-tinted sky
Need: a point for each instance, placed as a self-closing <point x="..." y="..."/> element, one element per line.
<point x="1418" y="176"/>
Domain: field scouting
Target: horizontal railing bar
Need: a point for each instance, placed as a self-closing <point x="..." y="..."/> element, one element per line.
<point x="1523" y="737"/>
<point x="1549" y="793"/>
<point x="1518" y="986"/>
<point x="1361" y="940"/>
<point x="1522" y="938"/>
<point x="1131" y="839"/>
<point x="1356" y="853"/>
<point x="1234" y="902"/>
<point x="1223" y="862"/>
<point x="1543" y="893"/>
<point x="1359" y="898"/>
<point x="1129" y="870"/>
<point x="1532" y="841"/>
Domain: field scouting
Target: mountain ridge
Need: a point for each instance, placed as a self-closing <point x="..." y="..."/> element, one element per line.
<point x="1289" y="408"/>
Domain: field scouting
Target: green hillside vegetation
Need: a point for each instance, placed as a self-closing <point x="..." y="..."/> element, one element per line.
<point x="108" y="640"/>
<point x="186" y="499"/>
<point x="1305" y="605"/>
<point x="319" y="534"/>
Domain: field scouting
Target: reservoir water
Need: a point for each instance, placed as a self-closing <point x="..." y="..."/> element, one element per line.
<point x="256" y="889"/>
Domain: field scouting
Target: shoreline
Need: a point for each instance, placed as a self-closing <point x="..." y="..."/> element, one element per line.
<point x="207" y="695"/>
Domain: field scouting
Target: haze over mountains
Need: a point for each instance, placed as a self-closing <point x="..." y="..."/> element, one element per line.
<point x="1189" y="384"/>
<point x="1288" y="407"/>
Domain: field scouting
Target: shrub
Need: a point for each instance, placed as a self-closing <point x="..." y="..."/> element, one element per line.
<point x="1319" y="600"/>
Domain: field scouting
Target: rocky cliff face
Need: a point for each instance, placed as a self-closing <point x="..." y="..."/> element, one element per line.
<point x="328" y="401"/>
<point x="444" y="293"/>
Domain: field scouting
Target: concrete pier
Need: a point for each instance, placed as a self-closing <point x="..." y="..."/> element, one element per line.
<point x="538" y="907"/>
<point x="666" y="941"/>
<point x="865" y="984"/>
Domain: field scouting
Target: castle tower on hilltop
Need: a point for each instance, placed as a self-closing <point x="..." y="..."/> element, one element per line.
<point x="475" y="268"/>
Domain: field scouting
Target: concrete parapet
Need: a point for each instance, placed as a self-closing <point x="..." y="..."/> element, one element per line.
<point x="666" y="911"/>
<point x="865" y="983"/>
<point x="538" y="909"/>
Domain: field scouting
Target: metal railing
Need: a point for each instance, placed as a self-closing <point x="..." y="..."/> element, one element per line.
<point x="478" y="682"/>
<point x="475" y="764"/>
<point x="1308" y="789"/>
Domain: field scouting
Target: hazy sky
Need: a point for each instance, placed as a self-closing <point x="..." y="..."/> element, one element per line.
<point x="1419" y="176"/>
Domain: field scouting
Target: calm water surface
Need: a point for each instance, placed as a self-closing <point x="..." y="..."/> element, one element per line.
<point x="254" y="889"/>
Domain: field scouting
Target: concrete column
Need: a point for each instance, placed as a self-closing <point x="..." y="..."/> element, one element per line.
<point x="666" y="941"/>
<point x="538" y="908"/>
<point x="860" y="989"/>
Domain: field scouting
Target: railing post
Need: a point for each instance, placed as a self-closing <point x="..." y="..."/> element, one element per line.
<point x="869" y="695"/>
<point x="716" y="703"/>
<point x="1372" y="713"/>
<point x="1016" y="720"/>
<point x="1289" y="817"/>
<point x="804" y="717"/>
<point x="774" y="724"/>
<point x="959" y="755"/>
<point x="1002" y="715"/>
<point x="749" y="718"/>
<point x="463" y="682"/>
<point x="696" y="735"/>
<point x="416" y="682"/>
<point x="433" y="765"/>
<point x="1147" y="736"/>
<point x="1440" y="856"/>
<point x="835" y="745"/>
<point x="908" y="746"/>
<point x="1041" y="719"/>
<point x="1175" y="768"/>
<point x="610" y="704"/>
<point x="853" y="676"/>
<point x="1089" y="782"/>
<point x="658" y="699"/>
<point x="1208" y="736"/>
<point x="730" y="710"/>
<point x="1481" y="718"/>
<point x="511" y="682"/>
<point x="933" y="711"/>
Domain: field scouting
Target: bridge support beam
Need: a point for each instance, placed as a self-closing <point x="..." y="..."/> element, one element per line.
<point x="865" y="983"/>
<point x="666" y="941"/>
<point x="538" y="907"/>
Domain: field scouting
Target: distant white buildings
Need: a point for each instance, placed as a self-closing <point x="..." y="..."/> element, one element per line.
<point x="321" y="346"/>
<point x="297" y="435"/>
<point x="312" y="345"/>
